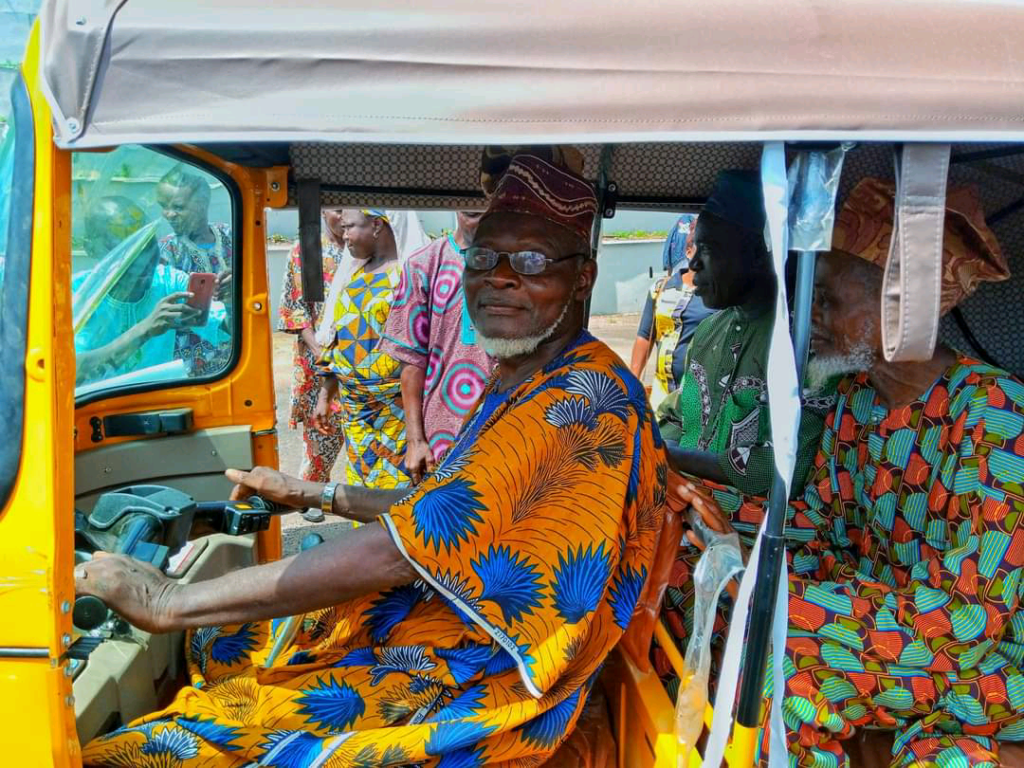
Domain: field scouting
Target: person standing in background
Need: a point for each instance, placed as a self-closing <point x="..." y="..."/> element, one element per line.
<point x="671" y="315"/>
<point x="300" y="318"/>
<point x="444" y="371"/>
<point x="353" y="366"/>
<point x="196" y="245"/>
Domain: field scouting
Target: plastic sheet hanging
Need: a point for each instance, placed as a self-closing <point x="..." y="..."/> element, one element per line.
<point x="813" y="179"/>
<point x="722" y="559"/>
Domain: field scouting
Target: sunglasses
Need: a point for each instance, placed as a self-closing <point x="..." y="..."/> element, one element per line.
<point x="523" y="262"/>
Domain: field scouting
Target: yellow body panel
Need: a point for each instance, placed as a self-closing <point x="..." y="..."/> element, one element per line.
<point x="36" y="526"/>
<point x="36" y="533"/>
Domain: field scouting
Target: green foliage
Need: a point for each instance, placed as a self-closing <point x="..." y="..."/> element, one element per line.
<point x="635" y="234"/>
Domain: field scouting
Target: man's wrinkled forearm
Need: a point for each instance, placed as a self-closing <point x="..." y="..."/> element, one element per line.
<point x="362" y="562"/>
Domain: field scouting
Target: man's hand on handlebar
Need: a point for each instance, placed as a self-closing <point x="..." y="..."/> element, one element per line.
<point x="274" y="486"/>
<point x="136" y="591"/>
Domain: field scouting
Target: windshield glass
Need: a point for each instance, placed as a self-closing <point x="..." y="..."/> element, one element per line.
<point x="16" y="198"/>
<point x="152" y="259"/>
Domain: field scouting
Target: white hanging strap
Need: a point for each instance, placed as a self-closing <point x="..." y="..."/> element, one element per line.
<point x="911" y="285"/>
<point x="784" y="410"/>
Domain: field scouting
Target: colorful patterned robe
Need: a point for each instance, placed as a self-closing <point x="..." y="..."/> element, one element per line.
<point x="369" y="381"/>
<point x="532" y="541"/>
<point x="906" y="556"/>
<point x="295" y="314"/>
<point x="429" y="327"/>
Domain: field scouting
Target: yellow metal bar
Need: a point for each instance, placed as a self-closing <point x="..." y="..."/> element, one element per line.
<point x="743" y="747"/>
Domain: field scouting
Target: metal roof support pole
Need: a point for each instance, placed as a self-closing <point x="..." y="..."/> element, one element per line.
<point x="773" y="548"/>
<point x="312" y="272"/>
<point x="606" y="197"/>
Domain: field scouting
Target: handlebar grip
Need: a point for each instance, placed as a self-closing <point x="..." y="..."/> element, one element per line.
<point x="89" y="613"/>
<point x="258" y="502"/>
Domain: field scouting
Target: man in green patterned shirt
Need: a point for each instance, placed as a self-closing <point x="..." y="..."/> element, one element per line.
<point x="716" y="424"/>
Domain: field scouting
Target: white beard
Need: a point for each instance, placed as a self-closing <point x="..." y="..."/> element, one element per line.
<point x="822" y="368"/>
<point x="502" y="349"/>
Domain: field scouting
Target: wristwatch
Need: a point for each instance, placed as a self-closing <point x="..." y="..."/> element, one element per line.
<point x="327" y="498"/>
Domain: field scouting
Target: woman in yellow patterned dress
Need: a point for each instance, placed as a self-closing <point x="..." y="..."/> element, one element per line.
<point x="365" y="379"/>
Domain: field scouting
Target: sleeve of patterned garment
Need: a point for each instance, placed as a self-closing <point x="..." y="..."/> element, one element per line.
<point x="407" y="332"/>
<point x="292" y="313"/>
<point x="542" y="531"/>
<point x="751" y="469"/>
<point x="957" y="603"/>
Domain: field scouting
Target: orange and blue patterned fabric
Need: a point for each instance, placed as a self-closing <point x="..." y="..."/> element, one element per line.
<point x="369" y="381"/>
<point x="533" y="542"/>
<point x="907" y="551"/>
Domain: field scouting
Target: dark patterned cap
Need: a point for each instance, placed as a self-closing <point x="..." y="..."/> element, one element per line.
<point x="738" y="199"/>
<point x="535" y="186"/>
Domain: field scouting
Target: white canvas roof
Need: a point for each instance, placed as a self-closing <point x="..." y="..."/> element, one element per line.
<point x="471" y="72"/>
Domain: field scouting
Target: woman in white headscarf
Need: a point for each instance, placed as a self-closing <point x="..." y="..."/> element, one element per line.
<point x="365" y="380"/>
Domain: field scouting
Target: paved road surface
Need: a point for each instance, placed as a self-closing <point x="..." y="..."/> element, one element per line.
<point x="618" y="331"/>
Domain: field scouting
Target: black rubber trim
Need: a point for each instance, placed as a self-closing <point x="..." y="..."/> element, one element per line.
<point x="14" y="290"/>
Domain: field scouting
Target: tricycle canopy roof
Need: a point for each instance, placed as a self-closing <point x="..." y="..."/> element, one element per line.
<point x="467" y="72"/>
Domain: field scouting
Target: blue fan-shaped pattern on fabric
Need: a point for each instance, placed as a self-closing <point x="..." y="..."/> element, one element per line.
<point x="172" y="742"/>
<point x="197" y="645"/>
<point x="579" y="582"/>
<point x="230" y="649"/>
<point x="407" y="659"/>
<point x="358" y="657"/>
<point x="462" y="758"/>
<point x="207" y="729"/>
<point x="602" y="392"/>
<point x="466" y="662"/>
<point x="331" y="705"/>
<point x="446" y="514"/>
<point x="467" y="704"/>
<point x="625" y="593"/>
<point x="569" y="411"/>
<point x="514" y="584"/>
<point x="448" y="737"/>
<point x="291" y="749"/>
<point x="392" y="608"/>
<point x="548" y="728"/>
